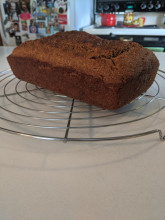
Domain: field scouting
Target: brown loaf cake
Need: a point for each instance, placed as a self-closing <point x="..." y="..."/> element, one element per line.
<point x="107" y="74"/>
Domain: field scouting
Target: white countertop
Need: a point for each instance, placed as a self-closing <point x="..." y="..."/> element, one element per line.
<point x="124" y="31"/>
<point x="46" y="180"/>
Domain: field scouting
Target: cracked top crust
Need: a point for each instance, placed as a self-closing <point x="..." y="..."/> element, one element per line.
<point x="112" y="61"/>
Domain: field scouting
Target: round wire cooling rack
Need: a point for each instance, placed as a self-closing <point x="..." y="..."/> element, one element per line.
<point x="30" y="111"/>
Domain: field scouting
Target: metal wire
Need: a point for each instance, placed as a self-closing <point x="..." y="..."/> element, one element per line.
<point x="30" y="111"/>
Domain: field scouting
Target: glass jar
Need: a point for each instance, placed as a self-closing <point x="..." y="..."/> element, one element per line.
<point x="128" y="17"/>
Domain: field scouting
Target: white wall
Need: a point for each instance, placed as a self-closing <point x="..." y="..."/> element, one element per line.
<point x="80" y="13"/>
<point x="84" y="10"/>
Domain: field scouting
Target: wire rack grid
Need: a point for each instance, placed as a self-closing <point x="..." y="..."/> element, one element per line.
<point x="30" y="111"/>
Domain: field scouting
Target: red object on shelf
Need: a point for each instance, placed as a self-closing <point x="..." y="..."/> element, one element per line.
<point x="108" y="19"/>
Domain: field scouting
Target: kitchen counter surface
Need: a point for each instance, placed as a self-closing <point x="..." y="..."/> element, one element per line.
<point x="47" y="180"/>
<point x="125" y="31"/>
